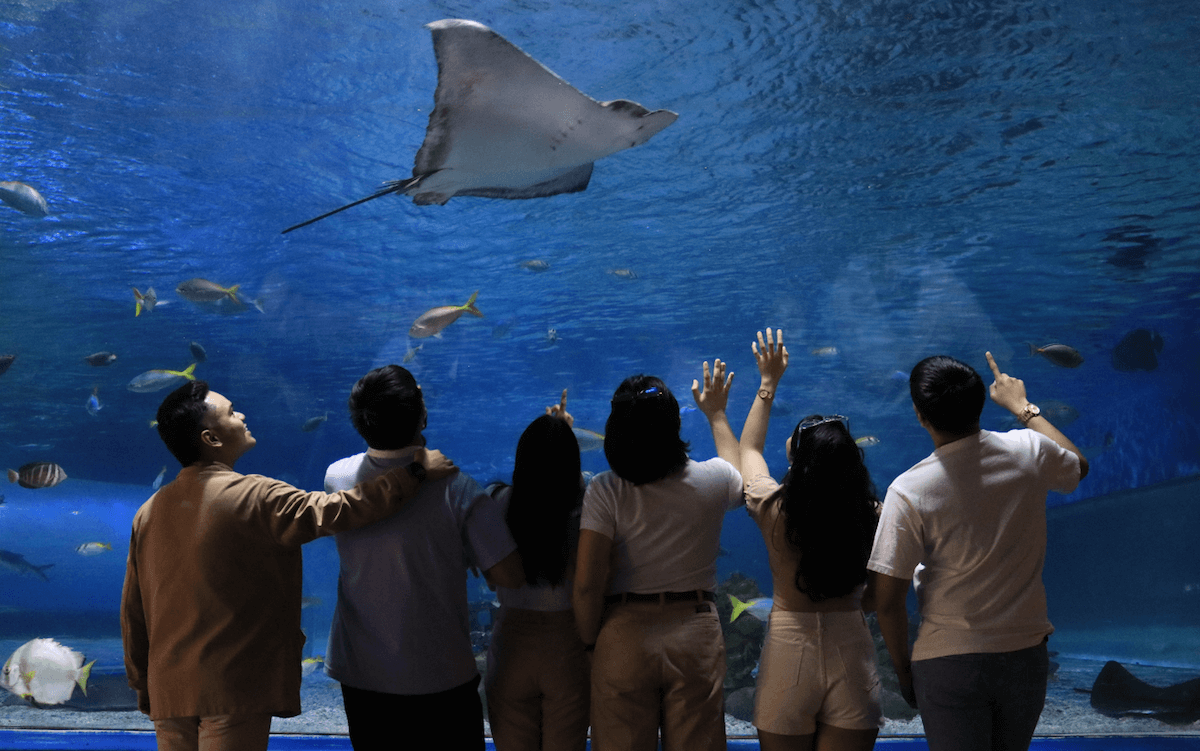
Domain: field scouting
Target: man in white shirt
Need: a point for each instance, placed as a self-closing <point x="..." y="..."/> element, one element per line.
<point x="967" y="526"/>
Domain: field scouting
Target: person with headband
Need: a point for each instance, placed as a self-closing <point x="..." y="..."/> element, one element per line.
<point x="647" y="566"/>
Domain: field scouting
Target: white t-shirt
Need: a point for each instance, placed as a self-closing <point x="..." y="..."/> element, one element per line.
<point x="970" y="521"/>
<point x="666" y="534"/>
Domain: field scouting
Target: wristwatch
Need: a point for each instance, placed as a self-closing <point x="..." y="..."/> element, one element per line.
<point x="1028" y="413"/>
<point x="765" y="395"/>
<point x="417" y="470"/>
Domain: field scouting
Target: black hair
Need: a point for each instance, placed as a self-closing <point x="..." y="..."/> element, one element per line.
<point x="386" y="408"/>
<point x="543" y="509"/>
<point x="181" y="421"/>
<point x="948" y="393"/>
<point x="830" y="510"/>
<point x="641" y="437"/>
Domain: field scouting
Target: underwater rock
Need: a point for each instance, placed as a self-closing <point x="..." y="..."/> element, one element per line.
<point x="740" y="703"/>
<point x="1136" y="351"/>
<point x="1118" y="693"/>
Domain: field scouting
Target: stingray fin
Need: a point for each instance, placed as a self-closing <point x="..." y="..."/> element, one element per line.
<point x="571" y="181"/>
<point x="393" y="186"/>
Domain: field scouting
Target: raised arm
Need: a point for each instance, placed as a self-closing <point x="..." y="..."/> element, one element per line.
<point x="712" y="402"/>
<point x="1009" y="393"/>
<point x="772" y="359"/>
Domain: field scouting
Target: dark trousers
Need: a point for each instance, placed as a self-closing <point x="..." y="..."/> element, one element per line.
<point x="451" y="720"/>
<point x="982" y="702"/>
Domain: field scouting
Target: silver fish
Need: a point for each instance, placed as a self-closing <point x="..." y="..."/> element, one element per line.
<point x="100" y="359"/>
<point x="23" y="198"/>
<point x="202" y="290"/>
<point x="46" y="672"/>
<point x="158" y="479"/>
<point x="313" y="423"/>
<point x="157" y="380"/>
<point x="589" y="440"/>
<point x="1059" y="354"/>
<point x="434" y="320"/>
<point x="16" y="562"/>
<point x="93" y="548"/>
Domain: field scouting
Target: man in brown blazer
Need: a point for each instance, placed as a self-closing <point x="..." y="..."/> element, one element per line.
<point x="210" y="613"/>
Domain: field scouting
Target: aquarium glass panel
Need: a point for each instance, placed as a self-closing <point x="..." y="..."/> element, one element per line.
<point x="882" y="181"/>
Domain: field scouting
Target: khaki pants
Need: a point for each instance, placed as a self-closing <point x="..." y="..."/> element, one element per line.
<point x="659" y="666"/>
<point x="537" y="682"/>
<point x="217" y="733"/>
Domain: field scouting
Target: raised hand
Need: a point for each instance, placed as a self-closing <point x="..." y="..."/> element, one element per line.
<point x="771" y="357"/>
<point x="560" y="410"/>
<point x="715" y="395"/>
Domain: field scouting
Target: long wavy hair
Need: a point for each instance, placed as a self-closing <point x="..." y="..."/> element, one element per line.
<point x="543" y="510"/>
<point x="830" y="509"/>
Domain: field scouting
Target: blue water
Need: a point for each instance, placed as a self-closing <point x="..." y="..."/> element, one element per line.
<point x="890" y="180"/>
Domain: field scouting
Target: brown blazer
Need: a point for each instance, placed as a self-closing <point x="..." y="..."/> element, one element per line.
<point x="210" y="613"/>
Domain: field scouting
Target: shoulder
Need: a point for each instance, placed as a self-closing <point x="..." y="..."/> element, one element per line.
<point x="715" y="470"/>
<point x="344" y="469"/>
<point x="762" y="492"/>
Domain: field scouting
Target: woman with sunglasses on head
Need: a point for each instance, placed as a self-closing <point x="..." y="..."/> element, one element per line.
<point x="647" y="568"/>
<point x="818" y="687"/>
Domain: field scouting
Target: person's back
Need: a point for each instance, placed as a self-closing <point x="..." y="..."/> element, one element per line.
<point x="401" y="621"/>
<point x="969" y="521"/>
<point x="400" y="642"/>
<point x="980" y="505"/>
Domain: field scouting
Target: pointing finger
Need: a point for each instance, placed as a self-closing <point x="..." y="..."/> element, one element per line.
<point x="992" y="364"/>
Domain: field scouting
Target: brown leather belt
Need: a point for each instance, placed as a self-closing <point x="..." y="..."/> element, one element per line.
<point x="692" y="595"/>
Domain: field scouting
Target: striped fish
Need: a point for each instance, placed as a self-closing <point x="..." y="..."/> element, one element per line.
<point x="37" y="475"/>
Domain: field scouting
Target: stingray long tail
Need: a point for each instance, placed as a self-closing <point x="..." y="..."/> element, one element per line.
<point x="394" y="186"/>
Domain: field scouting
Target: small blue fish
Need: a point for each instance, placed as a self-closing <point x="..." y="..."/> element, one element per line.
<point x="158" y="480"/>
<point x="93" y="403"/>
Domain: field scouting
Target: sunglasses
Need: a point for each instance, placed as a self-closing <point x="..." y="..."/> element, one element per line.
<point x="813" y="422"/>
<point x="651" y="392"/>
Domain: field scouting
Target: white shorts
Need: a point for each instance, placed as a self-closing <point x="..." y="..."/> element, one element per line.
<point x="817" y="667"/>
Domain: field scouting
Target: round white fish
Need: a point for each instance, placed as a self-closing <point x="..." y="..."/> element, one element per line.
<point x="45" y="671"/>
<point x="23" y="198"/>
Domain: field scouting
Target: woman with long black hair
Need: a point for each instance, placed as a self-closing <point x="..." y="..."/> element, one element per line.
<point x="818" y="687"/>
<point x="537" y="677"/>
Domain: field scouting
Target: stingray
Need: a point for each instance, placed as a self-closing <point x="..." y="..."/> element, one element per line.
<point x="1117" y="693"/>
<point x="505" y="126"/>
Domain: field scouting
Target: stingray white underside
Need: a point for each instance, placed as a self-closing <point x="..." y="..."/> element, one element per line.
<point x="505" y="126"/>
